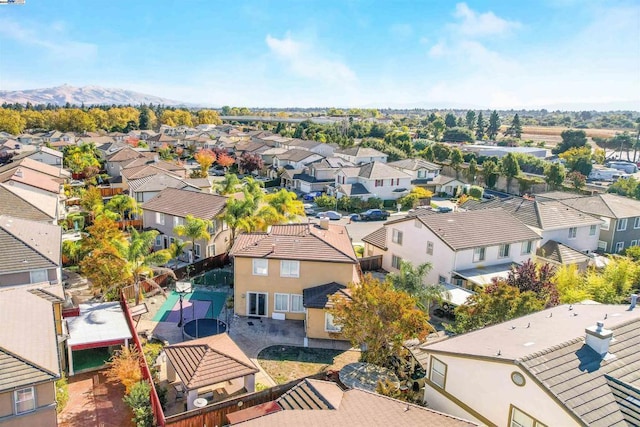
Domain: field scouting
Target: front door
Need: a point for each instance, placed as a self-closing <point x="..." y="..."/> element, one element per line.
<point x="257" y="304"/>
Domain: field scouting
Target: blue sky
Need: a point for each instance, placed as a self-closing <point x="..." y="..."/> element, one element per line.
<point x="416" y="53"/>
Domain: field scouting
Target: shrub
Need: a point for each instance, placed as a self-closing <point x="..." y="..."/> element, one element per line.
<point x="124" y="367"/>
<point x="476" y="192"/>
<point x="139" y="401"/>
<point x="325" y="201"/>
<point x="373" y="203"/>
<point x="62" y="393"/>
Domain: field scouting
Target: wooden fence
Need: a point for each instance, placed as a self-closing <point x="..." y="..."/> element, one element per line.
<point x="216" y="414"/>
<point x="198" y="267"/>
<point x="144" y="368"/>
<point x="147" y="286"/>
<point x="371" y="263"/>
<point x="110" y="191"/>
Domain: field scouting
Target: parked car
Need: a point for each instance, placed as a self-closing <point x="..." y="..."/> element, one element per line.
<point x="311" y="196"/>
<point x="332" y="215"/>
<point x="374" y="215"/>
<point x="309" y="208"/>
<point x="444" y="209"/>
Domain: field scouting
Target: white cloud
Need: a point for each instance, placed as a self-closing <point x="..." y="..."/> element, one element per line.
<point x="401" y="31"/>
<point x="51" y="38"/>
<point x="473" y="23"/>
<point x="438" y="49"/>
<point x="305" y="60"/>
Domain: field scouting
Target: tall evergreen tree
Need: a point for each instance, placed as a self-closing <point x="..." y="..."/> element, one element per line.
<point x="515" y="129"/>
<point x="450" y="120"/>
<point x="480" y="126"/>
<point x="494" y="125"/>
<point x="470" y="119"/>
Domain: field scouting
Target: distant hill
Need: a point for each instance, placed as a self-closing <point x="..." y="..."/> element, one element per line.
<point x="89" y="95"/>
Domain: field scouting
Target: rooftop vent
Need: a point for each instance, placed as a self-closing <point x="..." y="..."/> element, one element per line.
<point x="599" y="338"/>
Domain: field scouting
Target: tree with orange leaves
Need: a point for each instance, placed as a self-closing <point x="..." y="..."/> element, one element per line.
<point x="225" y="160"/>
<point x="205" y="159"/>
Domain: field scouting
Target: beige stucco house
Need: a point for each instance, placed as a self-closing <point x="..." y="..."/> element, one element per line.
<point x="571" y="365"/>
<point x="272" y="271"/>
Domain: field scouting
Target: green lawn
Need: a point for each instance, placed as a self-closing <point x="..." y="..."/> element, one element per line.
<point x="286" y="363"/>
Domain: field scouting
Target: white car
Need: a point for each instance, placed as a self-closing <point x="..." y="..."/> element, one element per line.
<point x="332" y="215"/>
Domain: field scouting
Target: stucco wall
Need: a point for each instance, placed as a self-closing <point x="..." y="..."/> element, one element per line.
<point x="490" y="392"/>
<point x="315" y="326"/>
<point x="23" y="278"/>
<point x="44" y="415"/>
<point x="312" y="273"/>
<point x="582" y="242"/>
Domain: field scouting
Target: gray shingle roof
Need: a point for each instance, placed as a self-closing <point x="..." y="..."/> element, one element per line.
<point x="295" y="155"/>
<point x="593" y="388"/>
<point x="607" y="205"/>
<point x="377" y="238"/>
<point x="379" y="170"/>
<point x="471" y="229"/>
<point x="355" y="189"/>
<point x="28" y="245"/>
<point x="414" y="164"/>
<point x="361" y="152"/>
<point x="561" y="253"/>
<point x="318" y="296"/>
<point x="181" y="203"/>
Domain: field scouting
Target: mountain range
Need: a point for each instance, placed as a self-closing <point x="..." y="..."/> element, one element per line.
<point x="87" y="95"/>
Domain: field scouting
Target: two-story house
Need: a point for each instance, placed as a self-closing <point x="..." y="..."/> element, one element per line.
<point x="30" y="360"/>
<point x="375" y="179"/>
<point x="295" y="159"/>
<point x="275" y="271"/>
<point x="420" y="170"/>
<point x="169" y="209"/>
<point x="570" y="365"/>
<point x="564" y="230"/>
<point x="23" y="203"/>
<point x="146" y="188"/>
<point x="621" y="216"/>
<point x="322" y="148"/>
<point x="315" y="176"/>
<point x="361" y="155"/>
<point x="47" y="156"/>
<point x="30" y="252"/>
<point x="466" y="249"/>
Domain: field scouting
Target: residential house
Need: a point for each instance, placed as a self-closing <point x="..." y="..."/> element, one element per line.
<point x="213" y="368"/>
<point x="551" y="219"/>
<point x="295" y="159"/>
<point x="31" y="179"/>
<point x="170" y="208"/>
<point x="272" y="270"/>
<point x="47" y="156"/>
<point x="30" y="252"/>
<point x="12" y="146"/>
<point x="361" y="155"/>
<point x="146" y="188"/>
<point x="466" y="249"/>
<point x="29" y="356"/>
<point x="375" y="179"/>
<point x="316" y="176"/>
<point x="570" y="365"/>
<point x="621" y="216"/>
<point x="421" y="170"/>
<point x="114" y="161"/>
<point x="158" y="140"/>
<point x="26" y="204"/>
<point x="324" y="403"/>
<point x="322" y="148"/>
<point x="445" y="185"/>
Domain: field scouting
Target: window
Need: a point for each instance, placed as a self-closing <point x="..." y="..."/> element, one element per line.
<point x="281" y="302"/>
<point x="296" y="304"/>
<point x="619" y="247"/>
<point x="329" y="326"/>
<point x="573" y="232"/>
<point x="158" y="240"/>
<point x="592" y="230"/>
<point x="289" y="268"/>
<point x="196" y="250"/>
<point x="504" y="250"/>
<point x="602" y="245"/>
<point x="430" y="248"/>
<point x="25" y="400"/>
<point x="459" y="282"/>
<point x="397" y="236"/>
<point x="478" y="254"/>
<point x="178" y="221"/>
<point x="38" y="276"/>
<point x="438" y="372"/>
<point x="622" y="224"/>
<point x="396" y="261"/>
<point x="636" y="222"/>
<point x="634" y="243"/>
<point x="211" y="228"/>
<point x="527" y="247"/>
<point x="140" y="197"/>
<point x="211" y="250"/>
<point x="607" y="223"/>
<point x="159" y="218"/>
<point x="442" y="280"/>
<point x="260" y="267"/>
<point x="517" y="418"/>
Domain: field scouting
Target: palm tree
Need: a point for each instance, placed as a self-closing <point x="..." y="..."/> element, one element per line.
<point x="238" y="215"/>
<point x="252" y="188"/>
<point x="177" y="248"/>
<point x="139" y="258"/>
<point x="286" y="203"/>
<point x="195" y="229"/>
<point x="122" y="203"/>
<point x="410" y="279"/>
<point x="229" y="185"/>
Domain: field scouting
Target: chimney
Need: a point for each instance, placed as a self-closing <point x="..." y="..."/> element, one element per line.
<point x="324" y="223"/>
<point x="599" y="338"/>
<point x="634" y="300"/>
